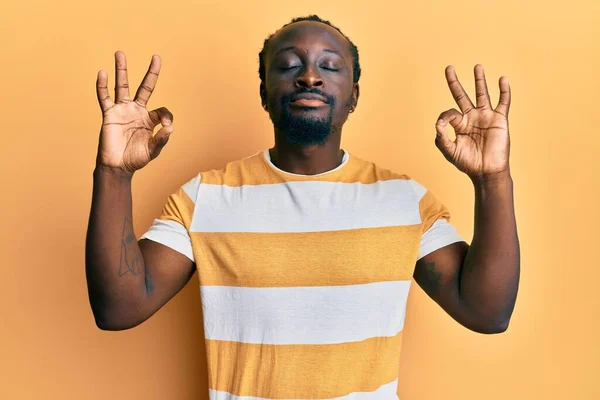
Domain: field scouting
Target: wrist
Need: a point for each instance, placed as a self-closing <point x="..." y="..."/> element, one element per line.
<point x="495" y="179"/>
<point x="111" y="173"/>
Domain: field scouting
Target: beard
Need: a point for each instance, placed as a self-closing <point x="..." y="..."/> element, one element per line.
<point x="304" y="130"/>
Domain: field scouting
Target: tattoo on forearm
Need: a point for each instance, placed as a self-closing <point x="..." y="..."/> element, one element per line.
<point x="433" y="277"/>
<point x="131" y="258"/>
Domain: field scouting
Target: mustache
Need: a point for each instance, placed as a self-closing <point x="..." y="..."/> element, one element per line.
<point x="286" y="99"/>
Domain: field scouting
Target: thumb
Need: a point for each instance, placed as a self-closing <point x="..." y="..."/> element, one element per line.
<point x="442" y="139"/>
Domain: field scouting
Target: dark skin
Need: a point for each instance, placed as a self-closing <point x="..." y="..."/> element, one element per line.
<point x="306" y="55"/>
<point x="476" y="285"/>
<point x="129" y="281"/>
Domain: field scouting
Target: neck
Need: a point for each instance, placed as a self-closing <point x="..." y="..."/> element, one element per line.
<point x="307" y="160"/>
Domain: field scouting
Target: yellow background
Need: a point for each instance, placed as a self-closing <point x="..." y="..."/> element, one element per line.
<point x="50" y="119"/>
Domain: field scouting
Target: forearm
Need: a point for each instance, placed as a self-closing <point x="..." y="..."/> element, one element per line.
<point x="489" y="276"/>
<point x="115" y="267"/>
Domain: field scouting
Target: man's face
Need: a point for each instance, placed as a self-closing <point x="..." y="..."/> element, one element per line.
<point x="308" y="86"/>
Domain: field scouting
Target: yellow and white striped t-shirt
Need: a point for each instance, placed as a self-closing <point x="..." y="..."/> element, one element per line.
<point x="303" y="278"/>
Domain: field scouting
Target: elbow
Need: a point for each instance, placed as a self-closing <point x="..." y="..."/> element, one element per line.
<point x="486" y="323"/>
<point x="492" y="328"/>
<point x="489" y="322"/>
<point x="114" y="325"/>
<point x="107" y="321"/>
<point x="503" y="326"/>
<point x="105" y="325"/>
<point x="117" y="315"/>
<point x="498" y="328"/>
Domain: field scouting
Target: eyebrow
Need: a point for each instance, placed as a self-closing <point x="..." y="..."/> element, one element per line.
<point x="289" y="48"/>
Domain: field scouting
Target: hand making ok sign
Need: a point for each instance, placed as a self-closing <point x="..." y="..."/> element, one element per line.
<point x="482" y="143"/>
<point x="127" y="142"/>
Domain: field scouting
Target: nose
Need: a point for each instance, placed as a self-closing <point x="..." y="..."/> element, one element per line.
<point x="309" y="77"/>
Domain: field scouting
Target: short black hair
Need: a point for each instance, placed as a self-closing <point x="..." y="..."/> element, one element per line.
<point x="316" y="18"/>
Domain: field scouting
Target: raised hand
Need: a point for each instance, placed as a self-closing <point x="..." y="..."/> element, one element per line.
<point x="482" y="142"/>
<point x="127" y="142"/>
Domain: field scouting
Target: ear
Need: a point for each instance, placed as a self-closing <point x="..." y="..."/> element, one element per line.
<point x="355" y="94"/>
<point x="263" y="94"/>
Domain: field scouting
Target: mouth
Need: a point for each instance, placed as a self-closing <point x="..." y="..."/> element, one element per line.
<point x="310" y="103"/>
<point x="310" y="100"/>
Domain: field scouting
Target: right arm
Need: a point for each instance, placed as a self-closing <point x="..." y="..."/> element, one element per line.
<point x="128" y="281"/>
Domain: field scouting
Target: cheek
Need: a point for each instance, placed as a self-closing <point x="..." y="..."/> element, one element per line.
<point x="273" y="92"/>
<point x="343" y="101"/>
<point x="273" y="101"/>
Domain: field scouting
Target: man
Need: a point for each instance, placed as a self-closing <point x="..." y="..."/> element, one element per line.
<point x="304" y="252"/>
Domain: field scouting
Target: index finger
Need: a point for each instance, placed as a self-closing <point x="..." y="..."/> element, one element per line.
<point x="504" y="101"/>
<point x="459" y="94"/>
<point x="149" y="82"/>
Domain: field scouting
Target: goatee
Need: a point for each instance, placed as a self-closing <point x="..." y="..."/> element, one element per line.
<point x="304" y="130"/>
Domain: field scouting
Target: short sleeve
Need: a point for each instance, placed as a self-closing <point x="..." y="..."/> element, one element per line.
<point x="172" y="227"/>
<point x="436" y="229"/>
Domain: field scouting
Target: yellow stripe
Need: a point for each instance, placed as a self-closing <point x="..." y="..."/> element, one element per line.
<point x="431" y="210"/>
<point x="302" y="371"/>
<point x="179" y="208"/>
<point x="255" y="170"/>
<point x="318" y="258"/>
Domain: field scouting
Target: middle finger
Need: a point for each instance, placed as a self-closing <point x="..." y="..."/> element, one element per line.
<point x="121" y="83"/>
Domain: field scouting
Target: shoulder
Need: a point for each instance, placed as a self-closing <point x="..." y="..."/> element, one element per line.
<point x="371" y="172"/>
<point x="248" y="170"/>
<point x="374" y="172"/>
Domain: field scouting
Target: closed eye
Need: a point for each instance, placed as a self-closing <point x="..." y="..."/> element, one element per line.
<point x="288" y="68"/>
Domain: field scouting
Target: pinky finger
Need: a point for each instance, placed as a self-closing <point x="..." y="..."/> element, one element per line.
<point x="104" y="99"/>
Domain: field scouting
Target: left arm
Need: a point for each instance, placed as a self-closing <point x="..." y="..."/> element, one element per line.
<point x="477" y="285"/>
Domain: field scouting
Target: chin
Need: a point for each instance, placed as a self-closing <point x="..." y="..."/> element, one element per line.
<point x="304" y="140"/>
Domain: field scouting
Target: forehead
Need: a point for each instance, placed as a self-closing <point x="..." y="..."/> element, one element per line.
<point x="309" y="36"/>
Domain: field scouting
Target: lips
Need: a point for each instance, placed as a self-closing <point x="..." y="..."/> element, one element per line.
<point x="308" y="98"/>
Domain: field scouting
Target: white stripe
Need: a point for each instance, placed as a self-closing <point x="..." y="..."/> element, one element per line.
<point x="419" y="189"/>
<point x="306" y="206"/>
<point x="304" y="315"/>
<point x="191" y="187"/>
<point x="171" y="234"/>
<point x="441" y="233"/>
<point x="384" y="392"/>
